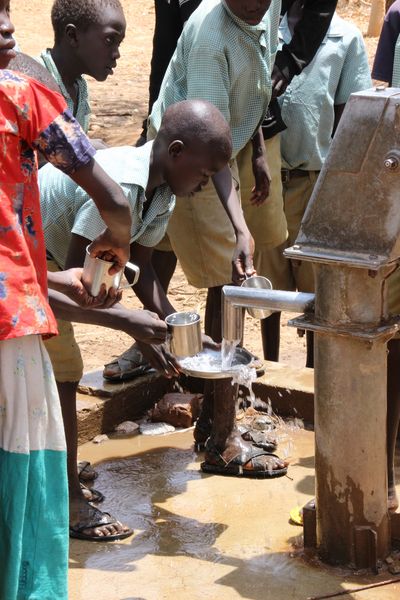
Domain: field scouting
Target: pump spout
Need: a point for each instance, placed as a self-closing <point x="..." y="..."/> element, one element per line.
<point x="234" y="299"/>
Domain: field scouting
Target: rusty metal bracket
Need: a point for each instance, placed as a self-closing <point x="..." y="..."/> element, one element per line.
<point x="381" y="333"/>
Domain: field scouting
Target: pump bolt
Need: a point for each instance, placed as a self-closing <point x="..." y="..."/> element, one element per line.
<point x="391" y="163"/>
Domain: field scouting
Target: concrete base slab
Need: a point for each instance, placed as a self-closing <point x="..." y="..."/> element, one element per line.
<point x="102" y="405"/>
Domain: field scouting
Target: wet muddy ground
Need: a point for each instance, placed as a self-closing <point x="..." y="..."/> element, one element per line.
<point x="199" y="536"/>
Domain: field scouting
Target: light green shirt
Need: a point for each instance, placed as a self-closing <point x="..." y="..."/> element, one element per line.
<point x="396" y="65"/>
<point x="221" y="59"/>
<point x="339" y="68"/>
<point x="82" y="114"/>
<point x="66" y="208"/>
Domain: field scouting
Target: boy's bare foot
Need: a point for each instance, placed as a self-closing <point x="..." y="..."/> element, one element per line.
<point x="91" y="524"/>
<point x="242" y="459"/>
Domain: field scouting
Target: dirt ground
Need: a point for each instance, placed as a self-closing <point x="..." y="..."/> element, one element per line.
<point x="119" y="106"/>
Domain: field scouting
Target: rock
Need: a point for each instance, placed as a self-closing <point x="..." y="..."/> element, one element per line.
<point x="156" y="428"/>
<point x="127" y="428"/>
<point x="99" y="439"/>
<point x="178" y="409"/>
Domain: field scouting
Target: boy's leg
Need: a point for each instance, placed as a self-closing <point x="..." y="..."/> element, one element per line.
<point x="296" y="194"/>
<point x="393" y="417"/>
<point x="226" y="451"/>
<point x="267" y="224"/>
<point x="33" y="481"/>
<point x="68" y="369"/>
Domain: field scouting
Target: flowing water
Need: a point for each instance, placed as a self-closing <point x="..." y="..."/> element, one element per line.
<point x="228" y="349"/>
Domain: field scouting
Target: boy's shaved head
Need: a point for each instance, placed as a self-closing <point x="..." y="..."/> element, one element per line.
<point x="81" y="13"/>
<point x="197" y="123"/>
<point x="29" y="66"/>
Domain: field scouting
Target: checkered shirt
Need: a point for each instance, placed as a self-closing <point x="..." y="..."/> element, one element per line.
<point x="67" y="208"/>
<point x="396" y="65"/>
<point x="339" y="69"/>
<point x="82" y="114"/>
<point x="221" y="59"/>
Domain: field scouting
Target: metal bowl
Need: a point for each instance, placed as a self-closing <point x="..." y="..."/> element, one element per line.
<point x="190" y="367"/>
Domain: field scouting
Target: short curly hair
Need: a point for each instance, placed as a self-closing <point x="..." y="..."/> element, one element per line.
<point x="81" y="13"/>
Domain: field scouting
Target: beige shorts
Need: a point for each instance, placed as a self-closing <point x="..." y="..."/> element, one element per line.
<point x="202" y="237"/>
<point x="267" y="223"/>
<point x="394" y="293"/>
<point x="63" y="349"/>
<point x="287" y="274"/>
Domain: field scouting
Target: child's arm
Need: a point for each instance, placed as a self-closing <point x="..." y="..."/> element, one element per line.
<point x="242" y="262"/>
<point x="262" y="178"/>
<point x="142" y="325"/>
<point x="114" y="209"/>
<point x="307" y="37"/>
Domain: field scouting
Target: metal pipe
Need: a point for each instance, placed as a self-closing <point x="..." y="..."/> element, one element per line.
<point x="234" y="299"/>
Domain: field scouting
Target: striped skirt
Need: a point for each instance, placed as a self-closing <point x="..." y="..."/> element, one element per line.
<point x="33" y="479"/>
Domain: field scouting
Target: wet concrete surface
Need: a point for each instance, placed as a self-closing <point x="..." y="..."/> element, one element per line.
<point x="202" y="536"/>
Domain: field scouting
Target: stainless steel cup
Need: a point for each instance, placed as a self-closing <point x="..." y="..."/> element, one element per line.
<point x="184" y="333"/>
<point x="258" y="282"/>
<point x="95" y="274"/>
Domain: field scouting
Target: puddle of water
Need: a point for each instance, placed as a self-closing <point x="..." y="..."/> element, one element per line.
<point x="196" y="536"/>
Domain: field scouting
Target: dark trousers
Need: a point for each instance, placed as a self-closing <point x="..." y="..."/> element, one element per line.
<point x="170" y="18"/>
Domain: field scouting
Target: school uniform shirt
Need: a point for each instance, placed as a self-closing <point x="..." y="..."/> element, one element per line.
<point x="31" y="118"/>
<point x="67" y="208"/>
<point x="222" y="59"/>
<point x="82" y="112"/>
<point x="387" y="58"/>
<point x="339" y="69"/>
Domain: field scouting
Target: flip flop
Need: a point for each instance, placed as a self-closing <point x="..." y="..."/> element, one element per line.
<point x="241" y="465"/>
<point x="90" y="494"/>
<point x="130" y="364"/>
<point x="296" y="515"/>
<point x="97" y="519"/>
<point x="86" y="471"/>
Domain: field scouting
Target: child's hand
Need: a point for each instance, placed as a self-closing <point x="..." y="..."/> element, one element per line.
<point x="242" y="262"/>
<point x="279" y="82"/>
<point x="145" y="326"/>
<point x="69" y="282"/>
<point x="160" y="359"/>
<point x="260" y="191"/>
<point x="108" y="246"/>
<point x="209" y="343"/>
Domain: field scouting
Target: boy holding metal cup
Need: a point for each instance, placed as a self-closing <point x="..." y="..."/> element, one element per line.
<point x="176" y="162"/>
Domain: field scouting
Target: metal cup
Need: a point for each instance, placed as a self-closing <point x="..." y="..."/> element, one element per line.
<point x="258" y="282"/>
<point x="184" y="333"/>
<point x="95" y="274"/>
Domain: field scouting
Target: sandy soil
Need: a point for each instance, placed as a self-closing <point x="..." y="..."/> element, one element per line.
<point x="119" y="106"/>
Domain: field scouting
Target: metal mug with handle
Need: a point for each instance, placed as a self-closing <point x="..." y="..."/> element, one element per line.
<point x="95" y="274"/>
<point x="258" y="282"/>
<point x="184" y="331"/>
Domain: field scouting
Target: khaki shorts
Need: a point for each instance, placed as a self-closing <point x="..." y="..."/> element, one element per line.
<point x="394" y="293"/>
<point x="267" y="223"/>
<point x="63" y="350"/>
<point x="202" y="237"/>
<point x="287" y="274"/>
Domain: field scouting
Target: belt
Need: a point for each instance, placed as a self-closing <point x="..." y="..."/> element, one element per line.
<point x="288" y="174"/>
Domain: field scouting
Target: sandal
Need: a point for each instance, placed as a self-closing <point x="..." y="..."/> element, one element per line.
<point x="96" y="518"/>
<point x="86" y="471"/>
<point x="90" y="494"/>
<point x="128" y="365"/>
<point x="259" y="439"/>
<point x="243" y="464"/>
